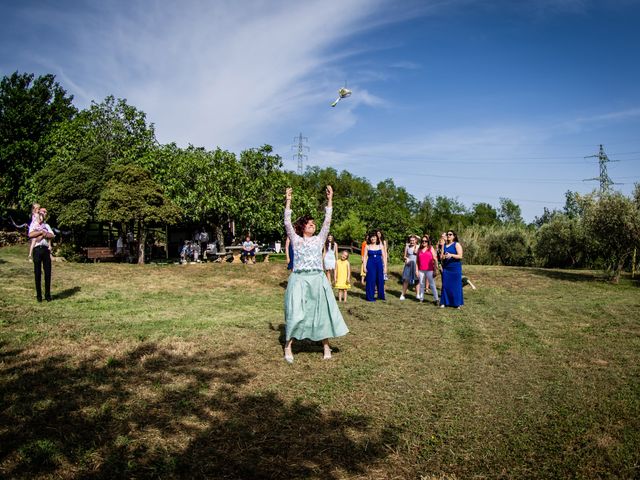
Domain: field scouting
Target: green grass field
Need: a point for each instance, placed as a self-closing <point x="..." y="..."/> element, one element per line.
<point x="168" y="371"/>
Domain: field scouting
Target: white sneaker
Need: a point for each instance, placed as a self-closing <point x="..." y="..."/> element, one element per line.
<point x="401" y="297"/>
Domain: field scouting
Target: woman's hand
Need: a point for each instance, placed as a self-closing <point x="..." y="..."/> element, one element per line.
<point x="287" y="196"/>
<point x="329" y="192"/>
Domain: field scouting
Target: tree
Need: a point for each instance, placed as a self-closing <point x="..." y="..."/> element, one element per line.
<point x="561" y="242"/>
<point x="29" y="109"/>
<point x="131" y="195"/>
<point x="573" y="204"/>
<point x="350" y="229"/>
<point x="204" y="184"/>
<point x="510" y="246"/>
<point x="449" y="214"/>
<point x="71" y="189"/>
<point x="546" y="217"/>
<point x="509" y="212"/>
<point x="614" y="222"/>
<point x="81" y="152"/>
<point x="484" y="214"/>
<point x="392" y="210"/>
<point x="261" y="189"/>
<point x="113" y="130"/>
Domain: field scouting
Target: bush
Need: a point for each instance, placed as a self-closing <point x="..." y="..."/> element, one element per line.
<point x="561" y="243"/>
<point x="11" y="238"/>
<point x="511" y="247"/>
<point x="614" y="222"/>
<point x="70" y="252"/>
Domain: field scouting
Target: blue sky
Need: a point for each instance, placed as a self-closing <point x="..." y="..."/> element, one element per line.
<point x="470" y="99"/>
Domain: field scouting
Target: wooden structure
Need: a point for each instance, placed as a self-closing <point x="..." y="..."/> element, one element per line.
<point x="100" y="253"/>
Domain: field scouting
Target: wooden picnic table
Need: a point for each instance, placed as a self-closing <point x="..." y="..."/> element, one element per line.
<point x="236" y="251"/>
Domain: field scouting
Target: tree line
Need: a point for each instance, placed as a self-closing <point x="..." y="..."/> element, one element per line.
<point x="104" y="164"/>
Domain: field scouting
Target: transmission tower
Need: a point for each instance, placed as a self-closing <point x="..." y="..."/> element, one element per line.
<point x="604" y="179"/>
<point x="299" y="155"/>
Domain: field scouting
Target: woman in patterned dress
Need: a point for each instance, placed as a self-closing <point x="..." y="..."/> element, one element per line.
<point x="310" y="307"/>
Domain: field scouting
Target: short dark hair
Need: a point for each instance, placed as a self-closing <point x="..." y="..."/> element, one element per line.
<point x="300" y="223"/>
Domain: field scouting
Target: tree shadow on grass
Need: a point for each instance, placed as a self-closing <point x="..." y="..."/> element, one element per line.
<point x="157" y="412"/>
<point x="69" y="292"/>
<point x="566" y="275"/>
<point x="306" y="345"/>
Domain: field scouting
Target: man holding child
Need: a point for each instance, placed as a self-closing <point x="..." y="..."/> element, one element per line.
<point x="42" y="234"/>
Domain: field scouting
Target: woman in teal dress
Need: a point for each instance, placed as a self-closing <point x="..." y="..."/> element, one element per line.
<point x="310" y="307"/>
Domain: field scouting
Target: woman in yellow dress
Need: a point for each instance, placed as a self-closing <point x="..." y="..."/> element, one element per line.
<point x="342" y="276"/>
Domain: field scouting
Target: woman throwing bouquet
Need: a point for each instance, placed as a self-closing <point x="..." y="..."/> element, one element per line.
<point x="310" y="307"/>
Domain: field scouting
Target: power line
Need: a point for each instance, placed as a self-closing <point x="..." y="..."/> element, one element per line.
<point x="604" y="179"/>
<point x="510" y="160"/>
<point x="300" y="156"/>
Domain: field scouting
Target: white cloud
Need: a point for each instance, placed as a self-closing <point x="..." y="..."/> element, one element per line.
<point x="213" y="73"/>
<point x="406" y="65"/>
<point x="579" y="124"/>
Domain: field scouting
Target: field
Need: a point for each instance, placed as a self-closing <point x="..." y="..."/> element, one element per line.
<point x="167" y="371"/>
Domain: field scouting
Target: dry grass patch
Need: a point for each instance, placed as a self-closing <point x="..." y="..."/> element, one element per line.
<point x="177" y="372"/>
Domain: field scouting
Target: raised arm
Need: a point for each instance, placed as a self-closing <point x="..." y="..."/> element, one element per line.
<point x="291" y="233"/>
<point x="286" y="248"/>
<point x="324" y="231"/>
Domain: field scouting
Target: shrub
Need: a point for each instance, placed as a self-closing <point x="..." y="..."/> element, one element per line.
<point x="561" y="243"/>
<point x="11" y="238"/>
<point x="511" y="247"/>
<point x="70" y="252"/>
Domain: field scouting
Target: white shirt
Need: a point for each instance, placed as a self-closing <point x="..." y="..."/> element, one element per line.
<point x="43" y="242"/>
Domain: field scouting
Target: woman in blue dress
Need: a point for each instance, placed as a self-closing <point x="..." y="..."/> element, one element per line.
<point x="451" y="259"/>
<point x="310" y="306"/>
<point x="375" y="268"/>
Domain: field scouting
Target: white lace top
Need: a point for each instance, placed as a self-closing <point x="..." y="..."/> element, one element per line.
<point x="307" y="252"/>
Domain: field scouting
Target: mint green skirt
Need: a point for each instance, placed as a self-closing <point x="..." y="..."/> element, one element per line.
<point x="310" y="308"/>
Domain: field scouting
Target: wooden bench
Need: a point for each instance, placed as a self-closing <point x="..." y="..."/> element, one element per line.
<point x="100" y="253"/>
<point x="237" y="256"/>
<point x="216" y="256"/>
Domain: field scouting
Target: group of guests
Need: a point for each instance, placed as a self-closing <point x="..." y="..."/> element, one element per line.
<point x="311" y="310"/>
<point x="190" y="252"/>
<point x="423" y="263"/>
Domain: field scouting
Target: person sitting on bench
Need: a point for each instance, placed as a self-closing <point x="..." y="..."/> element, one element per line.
<point x="248" y="250"/>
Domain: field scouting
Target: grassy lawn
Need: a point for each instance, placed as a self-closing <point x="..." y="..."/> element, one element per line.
<point x="169" y="371"/>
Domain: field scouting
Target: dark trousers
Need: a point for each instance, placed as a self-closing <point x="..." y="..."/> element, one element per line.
<point x="42" y="258"/>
